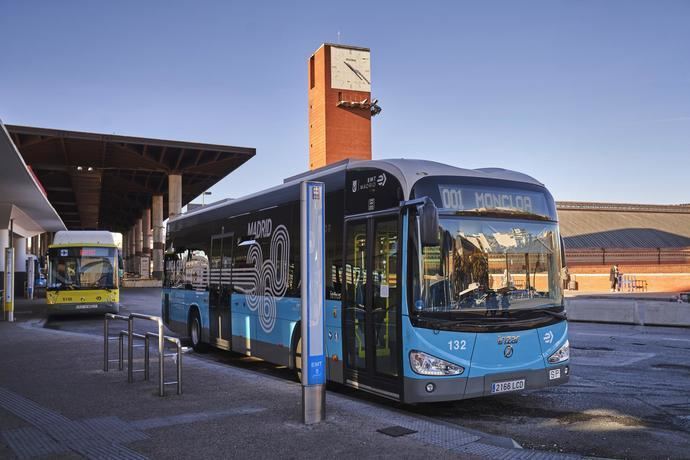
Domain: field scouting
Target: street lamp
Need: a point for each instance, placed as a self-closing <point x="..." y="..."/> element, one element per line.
<point x="202" y="197"/>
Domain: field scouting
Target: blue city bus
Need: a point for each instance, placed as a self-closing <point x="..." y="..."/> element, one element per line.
<point x="442" y="283"/>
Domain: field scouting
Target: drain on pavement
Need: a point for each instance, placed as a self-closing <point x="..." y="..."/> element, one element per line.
<point x="396" y="431"/>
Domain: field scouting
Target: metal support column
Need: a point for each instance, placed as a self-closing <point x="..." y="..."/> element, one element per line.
<point x="8" y="295"/>
<point x="146" y="243"/>
<point x="20" y="266"/>
<point x="174" y="194"/>
<point x="132" y="250"/>
<point x="138" y="238"/>
<point x="125" y="256"/>
<point x="158" y="243"/>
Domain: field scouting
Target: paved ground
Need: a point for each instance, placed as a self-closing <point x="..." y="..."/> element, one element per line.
<point x="629" y="395"/>
<point x="55" y="401"/>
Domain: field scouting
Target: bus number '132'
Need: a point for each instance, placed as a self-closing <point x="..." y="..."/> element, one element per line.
<point x="457" y="344"/>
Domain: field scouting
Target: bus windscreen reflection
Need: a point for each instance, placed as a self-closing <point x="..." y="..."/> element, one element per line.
<point x="490" y="265"/>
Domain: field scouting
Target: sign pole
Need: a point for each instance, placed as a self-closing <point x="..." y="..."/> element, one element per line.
<point x="313" y="296"/>
<point x="8" y="297"/>
<point x="30" y="274"/>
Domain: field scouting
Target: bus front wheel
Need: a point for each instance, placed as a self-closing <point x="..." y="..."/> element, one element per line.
<point x="195" y="333"/>
<point x="298" y="359"/>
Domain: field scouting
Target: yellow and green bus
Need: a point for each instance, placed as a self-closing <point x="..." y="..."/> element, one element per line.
<point x="83" y="273"/>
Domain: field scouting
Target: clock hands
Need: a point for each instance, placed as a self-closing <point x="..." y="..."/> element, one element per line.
<point x="355" y="71"/>
<point x="359" y="74"/>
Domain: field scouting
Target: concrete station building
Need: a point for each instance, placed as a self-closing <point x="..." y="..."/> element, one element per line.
<point x="26" y="215"/>
<point x="649" y="243"/>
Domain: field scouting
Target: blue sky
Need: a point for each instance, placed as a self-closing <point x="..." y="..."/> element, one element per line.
<point x="591" y="97"/>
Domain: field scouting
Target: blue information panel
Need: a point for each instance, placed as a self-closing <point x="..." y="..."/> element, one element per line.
<point x="313" y="283"/>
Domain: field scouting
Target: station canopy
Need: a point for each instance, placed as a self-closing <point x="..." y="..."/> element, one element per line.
<point x="22" y="200"/>
<point x="102" y="181"/>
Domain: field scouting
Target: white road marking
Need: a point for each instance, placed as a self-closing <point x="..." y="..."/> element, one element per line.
<point x="600" y="358"/>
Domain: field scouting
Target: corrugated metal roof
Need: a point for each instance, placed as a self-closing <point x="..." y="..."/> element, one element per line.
<point x="623" y="226"/>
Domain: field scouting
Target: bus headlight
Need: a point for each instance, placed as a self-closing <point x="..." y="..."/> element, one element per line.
<point x="563" y="354"/>
<point x="426" y="364"/>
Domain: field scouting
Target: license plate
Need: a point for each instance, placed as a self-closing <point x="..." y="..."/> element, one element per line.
<point x="86" y="306"/>
<point x="554" y="374"/>
<point x="510" y="385"/>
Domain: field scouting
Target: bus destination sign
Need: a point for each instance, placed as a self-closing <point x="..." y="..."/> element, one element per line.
<point x="468" y="198"/>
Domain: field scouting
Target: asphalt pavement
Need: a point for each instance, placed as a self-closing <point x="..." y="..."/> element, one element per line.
<point x="628" y="397"/>
<point x="56" y="401"/>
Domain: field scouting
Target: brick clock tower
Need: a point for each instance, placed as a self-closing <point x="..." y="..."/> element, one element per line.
<point x="340" y="105"/>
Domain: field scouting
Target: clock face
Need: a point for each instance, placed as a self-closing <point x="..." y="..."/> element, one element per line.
<point x="350" y="69"/>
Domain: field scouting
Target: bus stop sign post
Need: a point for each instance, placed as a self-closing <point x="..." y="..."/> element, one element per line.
<point x="313" y="295"/>
<point x="30" y="274"/>
<point x="8" y="296"/>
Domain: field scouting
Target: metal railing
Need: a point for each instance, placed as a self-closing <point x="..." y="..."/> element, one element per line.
<point x="177" y="357"/>
<point x="106" y="342"/>
<point x="131" y="335"/>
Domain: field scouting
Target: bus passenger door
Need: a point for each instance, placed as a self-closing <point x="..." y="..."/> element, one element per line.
<point x="371" y="304"/>
<point x="220" y="291"/>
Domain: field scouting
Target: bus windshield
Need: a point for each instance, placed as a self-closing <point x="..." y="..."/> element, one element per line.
<point x="489" y="265"/>
<point x="82" y="268"/>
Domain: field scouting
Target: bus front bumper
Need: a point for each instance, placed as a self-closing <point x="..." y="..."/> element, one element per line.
<point x="86" y="308"/>
<point x="456" y="388"/>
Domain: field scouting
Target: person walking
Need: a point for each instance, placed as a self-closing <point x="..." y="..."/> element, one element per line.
<point x="565" y="277"/>
<point x="613" y="277"/>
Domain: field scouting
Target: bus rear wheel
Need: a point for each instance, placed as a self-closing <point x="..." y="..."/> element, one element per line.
<point x="195" y="333"/>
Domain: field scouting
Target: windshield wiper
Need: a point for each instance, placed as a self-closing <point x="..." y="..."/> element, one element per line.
<point x="555" y="313"/>
<point x="438" y="321"/>
<point x="503" y="318"/>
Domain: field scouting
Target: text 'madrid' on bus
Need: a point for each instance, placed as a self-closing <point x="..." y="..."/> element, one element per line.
<point x="83" y="273"/>
<point x="441" y="283"/>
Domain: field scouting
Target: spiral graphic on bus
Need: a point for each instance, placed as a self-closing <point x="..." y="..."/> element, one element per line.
<point x="255" y="258"/>
<point x="269" y="277"/>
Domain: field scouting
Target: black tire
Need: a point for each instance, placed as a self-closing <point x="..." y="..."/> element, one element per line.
<point x="195" y="333"/>
<point x="298" y="358"/>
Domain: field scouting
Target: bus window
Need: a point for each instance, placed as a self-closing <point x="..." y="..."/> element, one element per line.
<point x="174" y="270"/>
<point x="196" y="270"/>
<point x="334" y="263"/>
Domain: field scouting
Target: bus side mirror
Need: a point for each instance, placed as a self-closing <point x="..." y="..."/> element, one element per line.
<point x="428" y="223"/>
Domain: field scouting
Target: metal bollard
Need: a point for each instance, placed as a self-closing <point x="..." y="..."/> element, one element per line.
<point x="130" y="350"/>
<point x="179" y="367"/>
<point x="121" y="354"/>
<point x="107" y="339"/>
<point x="131" y="335"/>
<point x="161" y="363"/>
<point x="146" y="357"/>
<point x="106" y="355"/>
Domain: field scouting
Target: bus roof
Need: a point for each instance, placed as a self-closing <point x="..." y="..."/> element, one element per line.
<point x="409" y="171"/>
<point x="83" y="237"/>
<point x="406" y="171"/>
